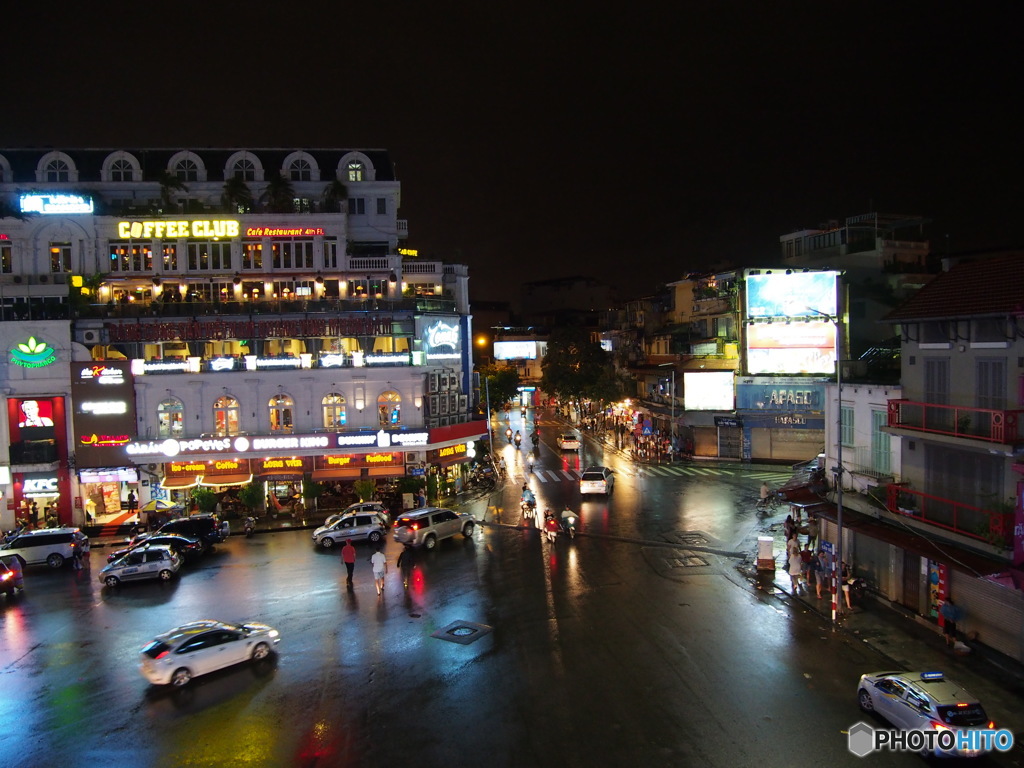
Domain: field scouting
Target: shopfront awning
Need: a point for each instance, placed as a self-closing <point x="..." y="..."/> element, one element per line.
<point x="213" y="481"/>
<point x="386" y="472"/>
<point x="172" y="483"/>
<point x="319" y="475"/>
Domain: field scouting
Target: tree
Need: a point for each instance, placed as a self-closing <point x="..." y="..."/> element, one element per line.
<point x="576" y="368"/>
<point x="502" y="384"/>
<point x="205" y="499"/>
<point x="236" y="196"/>
<point x="252" y="496"/>
<point x="279" y="196"/>
<point x="334" y="194"/>
<point x="169" y="184"/>
<point x="364" y="489"/>
<point x="311" y="491"/>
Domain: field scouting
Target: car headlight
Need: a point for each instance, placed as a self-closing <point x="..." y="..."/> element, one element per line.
<point x="273" y="633"/>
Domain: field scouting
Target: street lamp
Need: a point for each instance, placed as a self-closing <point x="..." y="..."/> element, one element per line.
<point x="672" y="404"/>
<point x="838" y="559"/>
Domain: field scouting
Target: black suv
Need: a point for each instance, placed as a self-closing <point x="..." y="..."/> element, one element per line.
<point x="209" y="529"/>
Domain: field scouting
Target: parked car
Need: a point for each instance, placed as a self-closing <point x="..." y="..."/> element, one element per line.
<point x="357" y="526"/>
<point x="924" y="701"/>
<point x="53" y="546"/>
<point x="567" y="441"/>
<point x="208" y="528"/>
<point x="425" y="527"/>
<point x="147" y="562"/>
<point x="200" y="647"/>
<point x="597" y="480"/>
<point x="364" y="507"/>
<point x="8" y="580"/>
<point x="185" y="547"/>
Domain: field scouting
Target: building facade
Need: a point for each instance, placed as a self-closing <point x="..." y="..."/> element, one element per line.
<point x="220" y="316"/>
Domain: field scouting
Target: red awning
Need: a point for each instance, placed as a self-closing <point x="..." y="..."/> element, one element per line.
<point x="319" y="475"/>
<point x="213" y="481"/>
<point x="181" y="482"/>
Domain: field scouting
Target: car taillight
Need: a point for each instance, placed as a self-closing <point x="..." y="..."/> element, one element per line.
<point x="160" y="655"/>
<point x="940" y="726"/>
<point x="5" y="576"/>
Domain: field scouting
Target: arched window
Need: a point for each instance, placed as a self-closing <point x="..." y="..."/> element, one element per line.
<point x="355" y="171"/>
<point x="300" y="170"/>
<point x="187" y="170"/>
<point x="281" y="409"/>
<point x="244" y="169"/>
<point x="57" y="170"/>
<point x="335" y="416"/>
<point x="122" y="170"/>
<point x="389" y="408"/>
<point x="170" y="418"/>
<point x="225" y="415"/>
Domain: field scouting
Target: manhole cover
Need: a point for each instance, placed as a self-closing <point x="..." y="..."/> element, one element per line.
<point x="461" y="632"/>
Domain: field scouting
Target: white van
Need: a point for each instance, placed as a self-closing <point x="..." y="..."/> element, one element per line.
<point x="53" y="546"/>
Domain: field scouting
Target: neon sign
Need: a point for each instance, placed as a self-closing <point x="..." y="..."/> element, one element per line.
<point x="106" y="408"/>
<point x="161" y="229"/>
<point x="103" y="374"/>
<point x="408" y="252"/>
<point x="55" y="204"/>
<point x="441" y="334"/>
<point x="33" y="354"/>
<point x="283" y="231"/>
<point x="102" y="440"/>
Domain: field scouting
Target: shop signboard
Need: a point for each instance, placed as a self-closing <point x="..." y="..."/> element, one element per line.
<point x="36" y="429"/>
<point x="780" y="393"/>
<point x="103" y="416"/>
<point x="274" y="445"/>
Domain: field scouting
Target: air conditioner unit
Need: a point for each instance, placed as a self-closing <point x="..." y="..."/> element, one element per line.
<point x="91" y="337"/>
<point x="44" y="279"/>
<point x="151" y="467"/>
<point x="17" y="279"/>
<point x="412" y="457"/>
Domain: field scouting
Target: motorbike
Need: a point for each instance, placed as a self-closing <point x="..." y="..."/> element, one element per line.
<point x="508" y="434"/>
<point x="249" y="525"/>
<point x="529" y="463"/>
<point x="535" y="436"/>
<point x="569" y="525"/>
<point x="519" y="441"/>
<point x="528" y="507"/>
<point x="551" y="528"/>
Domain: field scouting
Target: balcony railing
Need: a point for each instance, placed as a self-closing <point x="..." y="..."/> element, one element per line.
<point x="986" y="424"/>
<point x="991" y="527"/>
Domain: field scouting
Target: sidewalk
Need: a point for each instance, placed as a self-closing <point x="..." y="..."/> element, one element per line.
<point x="914" y="644"/>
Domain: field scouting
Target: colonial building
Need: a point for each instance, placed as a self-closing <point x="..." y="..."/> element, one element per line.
<point x="211" y="317"/>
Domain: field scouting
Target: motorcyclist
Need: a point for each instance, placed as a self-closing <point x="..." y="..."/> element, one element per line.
<point x="508" y="434"/>
<point x="518" y="438"/>
<point x="569" y="520"/>
<point x="529" y="463"/>
<point x="551" y="527"/>
<point x="528" y="499"/>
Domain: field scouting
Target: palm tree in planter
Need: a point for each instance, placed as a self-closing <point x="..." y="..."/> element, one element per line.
<point x="205" y="499"/>
<point x="236" y="197"/>
<point x="169" y="184"/>
<point x="334" y="195"/>
<point x="311" y="491"/>
<point x="279" y="196"/>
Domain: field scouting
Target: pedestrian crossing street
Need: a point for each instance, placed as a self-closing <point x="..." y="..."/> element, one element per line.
<point x="655" y="470"/>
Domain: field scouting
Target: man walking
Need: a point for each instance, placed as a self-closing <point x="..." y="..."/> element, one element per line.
<point x="348" y="557"/>
<point x="380" y="568"/>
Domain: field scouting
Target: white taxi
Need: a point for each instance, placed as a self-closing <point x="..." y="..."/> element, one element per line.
<point x="924" y="701"/>
<point x="567" y="441"/>
<point x="200" y="647"/>
<point x="145" y="562"/>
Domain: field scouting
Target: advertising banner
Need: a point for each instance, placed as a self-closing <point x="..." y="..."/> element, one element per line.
<point x="799" y="294"/>
<point x="103" y="416"/>
<point x="791" y="347"/>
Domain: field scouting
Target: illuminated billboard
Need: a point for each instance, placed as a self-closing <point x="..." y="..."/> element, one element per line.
<point x="799" y="294"/>
<point x="796" y="347"/>
<point x="708" y="390"/>
<point x="515" y="350"/>
<point x="103" y="419"/>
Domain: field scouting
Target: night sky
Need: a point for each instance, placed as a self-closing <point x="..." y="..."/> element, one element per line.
<point x="538" y="141"/>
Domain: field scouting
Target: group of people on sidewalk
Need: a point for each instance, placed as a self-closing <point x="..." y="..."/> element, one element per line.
<point x="809" y="567"/>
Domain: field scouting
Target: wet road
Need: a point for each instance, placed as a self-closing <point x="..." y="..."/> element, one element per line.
<point x="603" y="651"/>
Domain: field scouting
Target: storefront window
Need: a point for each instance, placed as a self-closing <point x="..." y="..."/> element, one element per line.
<point x="170" y="416"/>
<point x="225" y="415"/>
<point x="389" y="408"/>
<point x="334" y="411"/>
<point x="281" y="408"/>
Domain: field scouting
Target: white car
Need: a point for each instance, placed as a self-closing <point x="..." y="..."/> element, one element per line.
<point x="568" y="442"/>
<point x="145" y="562"/>
<point x="53" y="546"/>
<point x="924" y="701"/>
<point x="357" y="526"/>
<point x="199" y="647"/>
<point x="597" y="480"/>
<point x="362" y="506"/>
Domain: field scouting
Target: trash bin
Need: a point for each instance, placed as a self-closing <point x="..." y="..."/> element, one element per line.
<point x="765" y="555"/>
